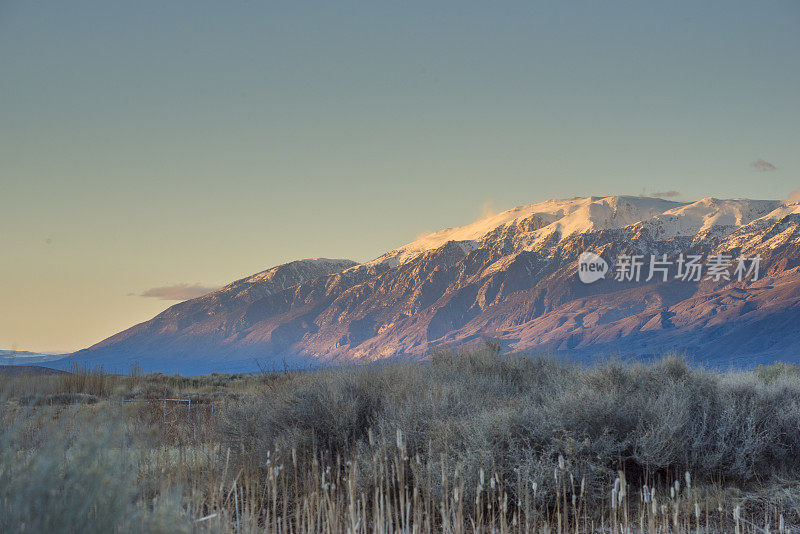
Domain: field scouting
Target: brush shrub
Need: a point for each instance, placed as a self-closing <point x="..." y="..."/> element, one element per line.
<point x="76" y="476"/>
<point x="513" y="415"/>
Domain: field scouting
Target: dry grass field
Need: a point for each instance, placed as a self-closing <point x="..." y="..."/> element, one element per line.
<point x="468" y="442"/>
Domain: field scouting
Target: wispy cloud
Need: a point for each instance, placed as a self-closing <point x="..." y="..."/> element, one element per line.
<point x="178" y="291"/>
<point x="763" y="166"/>
<point x="793" y="198"/>
<point x="424" y="233"/>
<point x="487" y="209"/>
<point x="667" y="194"/>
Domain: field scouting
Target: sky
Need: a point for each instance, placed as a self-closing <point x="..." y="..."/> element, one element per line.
<point x="150" y="150"/>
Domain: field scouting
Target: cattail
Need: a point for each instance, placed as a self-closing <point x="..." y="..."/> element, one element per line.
<point x="614" y="498"/>
<point x="399" y="439"/>
<point x="561" y="463"/>
<point x="646" y="494"/>
<point x="697" y="511"/>
<point x="688" y="477"/>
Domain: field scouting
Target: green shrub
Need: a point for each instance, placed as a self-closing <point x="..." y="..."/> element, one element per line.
<point x="76" y="477"/>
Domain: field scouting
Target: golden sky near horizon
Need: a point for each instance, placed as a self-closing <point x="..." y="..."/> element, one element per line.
<point x="156" y="149"/>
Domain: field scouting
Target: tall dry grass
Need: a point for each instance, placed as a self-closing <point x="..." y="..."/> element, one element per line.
<point x="477" y="415"/>
<point x="467" y="442"/>
<point x="83" y="378"/>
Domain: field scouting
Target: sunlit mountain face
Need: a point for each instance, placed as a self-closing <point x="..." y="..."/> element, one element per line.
<point x="716" y="279"/>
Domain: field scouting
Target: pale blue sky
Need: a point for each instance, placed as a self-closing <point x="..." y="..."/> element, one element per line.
<point x="146" y="144"/>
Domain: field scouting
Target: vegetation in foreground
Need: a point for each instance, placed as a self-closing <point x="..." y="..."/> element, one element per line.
<point x="467" y="442"/>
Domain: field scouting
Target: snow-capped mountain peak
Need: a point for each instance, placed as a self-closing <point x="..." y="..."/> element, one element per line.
<point x="709" y="212"/>
<point x="570" y="216"/>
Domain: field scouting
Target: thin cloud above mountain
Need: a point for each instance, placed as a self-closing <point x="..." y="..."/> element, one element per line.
<point x="487" y="209"/>
<point x="667" y="194"/>
<point x="178" y="291"/>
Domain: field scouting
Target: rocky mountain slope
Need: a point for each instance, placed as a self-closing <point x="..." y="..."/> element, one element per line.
<point x="510" y="277"/>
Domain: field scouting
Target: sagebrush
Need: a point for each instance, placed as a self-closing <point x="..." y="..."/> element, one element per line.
<point x="467" y="441"/>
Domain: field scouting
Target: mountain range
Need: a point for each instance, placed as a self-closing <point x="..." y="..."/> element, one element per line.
<point x="22" y="357"/>
<point x="513" y="278"/>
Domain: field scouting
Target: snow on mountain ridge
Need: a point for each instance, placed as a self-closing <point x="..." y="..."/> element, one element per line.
<point x="781" y="211"/>
<point x="566" y="216"/>
<point x="707" y="215"/>
<point x="664" y="218"/>
<point x="609" y="213"/>
<point x="307" y="264"/>
<point x="710" y="212"/>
